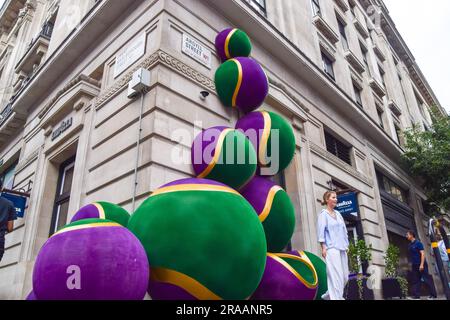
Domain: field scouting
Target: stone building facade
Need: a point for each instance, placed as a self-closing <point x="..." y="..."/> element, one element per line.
<point x="339" y="72"/>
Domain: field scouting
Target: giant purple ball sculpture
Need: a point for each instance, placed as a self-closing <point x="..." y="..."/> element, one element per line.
<point x="91" y="259"/>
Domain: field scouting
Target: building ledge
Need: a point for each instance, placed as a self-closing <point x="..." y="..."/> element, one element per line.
<point x="325" y="29"/>
<point x="377" y="87"/>
<point x="354" y="61"/>
<point x="9" y="13"/>
<point x="379" y="53"/>
<point x="102" y="15"/>
<point x="33" y="56"/>
<point x="360" y="28"/>
<point x="342" y="5"/>
<point x="10" y="122"/>
<point x="394" y="107"/>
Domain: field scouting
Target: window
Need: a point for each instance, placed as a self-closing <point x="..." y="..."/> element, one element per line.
<point x="380" y="117"/>
<point x="338" y="148"/>
<point x="382" y="75"/>
<point x="392" y="188"/>
<point x="343" y="34"/>
<point x="7" y="177"/>
<point x="358" y="98"/>
<point x="398" y="132"/>
<point x="62" y="200"/>
<point x="259" y="5"/>
<point x="364" y="54"/>
<point x="316" y="7"/>
<point x="420" y="105"/>
<point x="328" y="65"/>
<point x="352" y="8"/>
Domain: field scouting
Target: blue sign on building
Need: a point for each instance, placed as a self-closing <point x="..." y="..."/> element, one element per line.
<point x="19" y="203"/>
<point x="348" y="204"/>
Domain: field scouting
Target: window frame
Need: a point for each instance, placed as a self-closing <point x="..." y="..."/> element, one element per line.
<point x="338" y="145"/>
<point x="10" y="168"/>
<point x="59" y="197"/>
<point x="325" y="65"/>
<point x="343" y="33"/>
<point x="316" y="9"/>
<point x="358" y="95"/>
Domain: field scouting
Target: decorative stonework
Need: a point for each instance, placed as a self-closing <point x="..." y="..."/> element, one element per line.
<point x="394" y="107"/>
<point x="66" y="88"/>
<point x="286" y="91"/>
<point x="360" y="28"/>
<point x="166" y="59"/>
<point x="342" y="5"/>
<point x="354" y="61"/>
<point x="379" y="53"/>
<point x="339" y="163"/>
<point x="325" y="29"/>
<point x="377" y="87"/>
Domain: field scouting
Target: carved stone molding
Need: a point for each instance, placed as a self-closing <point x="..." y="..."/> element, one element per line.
<point x="166" y="59"/>
<point x="325" y="29"/>
<point x="354" y="61"/>
<point x="66" y="88"/>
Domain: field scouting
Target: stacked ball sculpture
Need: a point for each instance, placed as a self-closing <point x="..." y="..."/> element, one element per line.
<point x="216" y="236"/>
<point x="91" y="259"/>
<point x="103" y="210"/>
<point x="203" y="241"/>
<point x="287" y="277"/>
<point x="241" y="83"/>
<point x="321" y="269"/>
<point x="272" y="137"/>
<point x="225" y="155"/>
<point x="232" y="43"/>
<point x="274" y="209"/>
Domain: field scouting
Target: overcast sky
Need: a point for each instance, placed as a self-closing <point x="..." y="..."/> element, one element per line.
<point x="425" y="27"/>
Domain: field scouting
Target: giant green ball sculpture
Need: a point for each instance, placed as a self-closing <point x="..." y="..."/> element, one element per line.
<point x="203" y="240"/>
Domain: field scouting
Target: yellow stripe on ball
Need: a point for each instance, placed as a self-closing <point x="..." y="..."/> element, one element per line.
<point x="239" y="83"/>
<point x="227" y="43"/>
<point x="264" y="138"/>
<point x="194" y="187"/>
<point x="183" y="281"/>
<point x="278" y="257"/>
<point x="88" y="226"/>
<point x="265" y="212"/>
<point x="101" y="211"/>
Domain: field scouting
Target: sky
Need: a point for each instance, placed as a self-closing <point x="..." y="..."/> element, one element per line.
<point x="425" y="27"/>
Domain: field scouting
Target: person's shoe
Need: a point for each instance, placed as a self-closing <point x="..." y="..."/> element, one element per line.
<point x="431" y="298"/>
<point x="412" y="298"/>
<point x="325" y="296"/>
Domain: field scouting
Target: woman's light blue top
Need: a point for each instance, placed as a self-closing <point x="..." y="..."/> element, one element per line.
<point x="331" y="231"/>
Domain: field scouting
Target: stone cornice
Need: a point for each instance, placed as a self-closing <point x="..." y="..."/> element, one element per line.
<point x="354" y="61"/>
<point x="65" y="89"/>
<point x="325" y="29"/>
<point x="342" y="5"/>
<point x="156" y="58"/>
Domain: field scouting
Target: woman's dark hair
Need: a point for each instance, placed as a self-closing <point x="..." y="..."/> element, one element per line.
<point x="411" y="232"/>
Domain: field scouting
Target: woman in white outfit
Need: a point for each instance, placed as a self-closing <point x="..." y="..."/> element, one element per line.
<point x="333" y="238"/>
